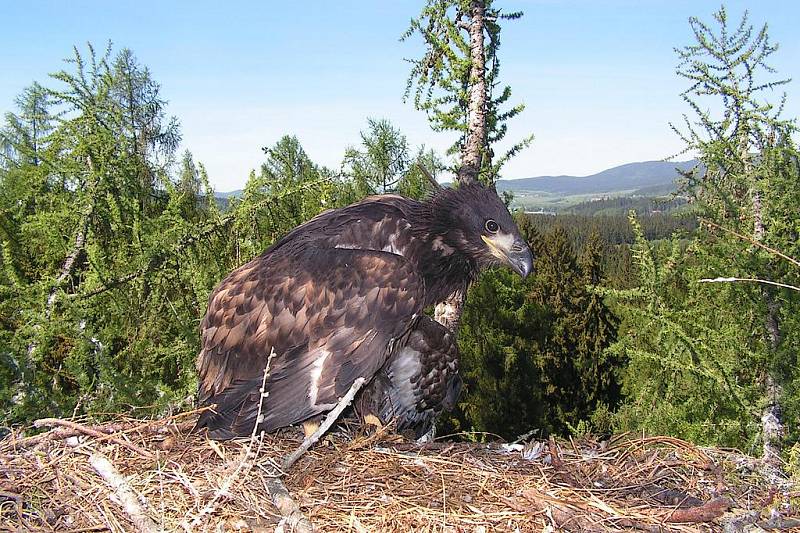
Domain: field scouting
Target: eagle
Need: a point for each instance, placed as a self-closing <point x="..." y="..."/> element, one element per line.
<point x="343" y="296"/>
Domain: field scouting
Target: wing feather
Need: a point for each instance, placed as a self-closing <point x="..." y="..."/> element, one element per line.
<point x="330" y="315"/>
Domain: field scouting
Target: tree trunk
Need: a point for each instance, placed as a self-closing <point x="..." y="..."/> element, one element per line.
<point x="772" y="429"/>
<point x="68" y="265"/>
<point x="475" y="142"/>
<point x="448" y="313"/>
<point x="771" y="423"/>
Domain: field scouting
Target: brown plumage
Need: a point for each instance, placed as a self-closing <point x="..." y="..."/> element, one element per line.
<point x="342" y="296"/>
<point x="418" y="381"/>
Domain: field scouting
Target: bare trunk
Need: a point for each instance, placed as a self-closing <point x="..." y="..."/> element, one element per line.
<point x="476" y="119"/>
<point x="758" y="218"/>
<point x="448" y="313"/>
<point x="80" y="241"/>
<point x="771" y="423"/>
<point x="772" y="429"/>
<point x="68" y="265"/>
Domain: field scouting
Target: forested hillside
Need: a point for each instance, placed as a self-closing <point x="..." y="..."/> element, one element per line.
<point x="112" y="240"/>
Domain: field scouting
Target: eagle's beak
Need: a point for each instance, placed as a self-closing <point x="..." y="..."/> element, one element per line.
<point x="512" y="251"/>
<point x="520" y="258"/>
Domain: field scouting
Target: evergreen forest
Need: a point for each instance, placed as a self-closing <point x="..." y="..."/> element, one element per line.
<point x="675" y="315"/>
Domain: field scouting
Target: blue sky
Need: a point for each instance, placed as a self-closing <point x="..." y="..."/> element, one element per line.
<point x="597" y="76"/>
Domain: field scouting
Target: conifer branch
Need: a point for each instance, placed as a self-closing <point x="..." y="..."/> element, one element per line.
<point x="752" y="241"/>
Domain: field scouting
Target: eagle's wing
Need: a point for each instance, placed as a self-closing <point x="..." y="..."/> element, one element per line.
<point x="330" y="315"/>
<point x="418" y="381"/>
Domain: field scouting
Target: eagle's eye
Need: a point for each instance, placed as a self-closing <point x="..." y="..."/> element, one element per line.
<point x="492" y="226"/>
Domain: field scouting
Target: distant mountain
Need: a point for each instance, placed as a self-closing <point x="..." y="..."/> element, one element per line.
<point x="229" y="194"/>
<point x="647" y="178"/>
<point x="653" y="175"/>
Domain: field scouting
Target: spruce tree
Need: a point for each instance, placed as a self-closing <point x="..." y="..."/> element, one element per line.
<point x="596" y="366"/>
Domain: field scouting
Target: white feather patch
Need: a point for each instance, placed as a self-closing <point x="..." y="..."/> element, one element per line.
<point x="316" y="374"/>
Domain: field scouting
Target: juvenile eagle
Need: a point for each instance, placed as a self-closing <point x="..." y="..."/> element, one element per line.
<point x="341" y="297"/>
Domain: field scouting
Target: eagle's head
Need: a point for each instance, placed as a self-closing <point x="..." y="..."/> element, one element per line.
<point x="476" y="223"/>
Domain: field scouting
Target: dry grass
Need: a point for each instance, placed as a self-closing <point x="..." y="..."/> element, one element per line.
<point x="353" y="482"/>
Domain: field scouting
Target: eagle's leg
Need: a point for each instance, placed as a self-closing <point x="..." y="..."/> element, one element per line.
<point x="373" y="420"/>
<point x="311" y="425"/>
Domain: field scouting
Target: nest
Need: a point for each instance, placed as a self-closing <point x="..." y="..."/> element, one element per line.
<point x="161" y="476"/>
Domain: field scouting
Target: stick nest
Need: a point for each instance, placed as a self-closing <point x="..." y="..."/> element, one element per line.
<point x="170" y="478"/>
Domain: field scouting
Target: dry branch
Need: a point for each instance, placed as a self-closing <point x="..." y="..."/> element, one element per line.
<point x="127" y="499"/>
<point x="293" y="517"/>
<point x="48" y="422"/>
<point x="750" y="280"/>
<point x="428" y="176"/>
<point x="752" y="241"/>
<point x="247" y="456"/>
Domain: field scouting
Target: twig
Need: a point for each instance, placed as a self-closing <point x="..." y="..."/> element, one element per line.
<point x="109" y="431"/>
<point x="130" y="503"/>
<point x="293" y="518"/>
<point x="752" y="280"/>
<point x="309" y="441"/>
<point x="49" y="422"/>
<point x="431" y="180"/>
<point x="752" y="241"/>
<point x="229" y="481"/>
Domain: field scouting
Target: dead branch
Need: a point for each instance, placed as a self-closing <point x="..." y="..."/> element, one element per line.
<point x="752" y="241"/>
<point x="431" y="180"/>
<point x="49" y="422"/>
<point x="293" y="517"/>
<point x="246" y="462"/>
<point x="125" y="495"/>
<point x="752" y="280"/>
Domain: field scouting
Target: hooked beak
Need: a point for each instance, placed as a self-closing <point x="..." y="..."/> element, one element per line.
<point x="520" y="258"/>
<point x="518" y="255"/>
